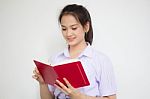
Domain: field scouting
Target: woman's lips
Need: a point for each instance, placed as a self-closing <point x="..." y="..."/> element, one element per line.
<point x="70" y="39"/>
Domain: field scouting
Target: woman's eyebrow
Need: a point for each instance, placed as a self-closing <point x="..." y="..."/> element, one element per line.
<point x="63" y="26"/>
<point x="70" y="25"/>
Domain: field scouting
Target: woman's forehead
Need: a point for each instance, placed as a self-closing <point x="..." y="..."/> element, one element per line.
<point x="69" y="20"/>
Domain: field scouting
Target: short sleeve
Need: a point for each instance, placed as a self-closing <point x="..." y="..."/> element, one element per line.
<point x="107" y="83"/>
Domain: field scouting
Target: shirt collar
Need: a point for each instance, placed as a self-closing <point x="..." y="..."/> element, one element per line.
<point x="86" y="52"/>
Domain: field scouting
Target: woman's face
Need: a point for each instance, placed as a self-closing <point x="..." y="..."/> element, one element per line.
<point x="72" y="30"/>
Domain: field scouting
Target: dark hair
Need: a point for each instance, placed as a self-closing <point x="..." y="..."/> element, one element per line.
<point x="82" y="15"/>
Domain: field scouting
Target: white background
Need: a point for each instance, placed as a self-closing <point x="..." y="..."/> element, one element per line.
<point x="29" y="30"/>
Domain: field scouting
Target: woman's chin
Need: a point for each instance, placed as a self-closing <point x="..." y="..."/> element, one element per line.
<point x="71" y="43"/>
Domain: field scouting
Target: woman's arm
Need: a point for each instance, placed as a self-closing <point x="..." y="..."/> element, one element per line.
<point x="105" y="97"/>
<point x="44" y="91"/>
<point x="74" y="94"/>
<point x="110" y="97"/>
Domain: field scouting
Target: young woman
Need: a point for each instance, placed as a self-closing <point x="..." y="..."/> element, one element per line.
<point x="77" y="30"/>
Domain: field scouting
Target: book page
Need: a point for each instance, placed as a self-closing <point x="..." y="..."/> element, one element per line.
<point x="65" y="62"/>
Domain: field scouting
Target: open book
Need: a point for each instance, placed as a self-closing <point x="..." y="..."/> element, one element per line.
<point x="71" y="70"/>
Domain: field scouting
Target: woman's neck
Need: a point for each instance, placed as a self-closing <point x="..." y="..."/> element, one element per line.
<point x="76" y="50"/>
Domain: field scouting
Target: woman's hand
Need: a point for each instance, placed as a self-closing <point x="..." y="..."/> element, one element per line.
<point x="38" y="76"/>
<point x="69" y="90"/>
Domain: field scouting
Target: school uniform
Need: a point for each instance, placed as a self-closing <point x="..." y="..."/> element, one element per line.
<point x="98" y="69"/>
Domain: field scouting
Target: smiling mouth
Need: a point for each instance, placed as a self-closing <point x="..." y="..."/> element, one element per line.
<point x="70" y="39"/>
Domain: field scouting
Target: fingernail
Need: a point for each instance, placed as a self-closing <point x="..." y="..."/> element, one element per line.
<point x="57" y="80"/>
<point x="64" y="78"/>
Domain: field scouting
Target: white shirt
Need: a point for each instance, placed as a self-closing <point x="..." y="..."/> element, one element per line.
<point x="98" y="69"/>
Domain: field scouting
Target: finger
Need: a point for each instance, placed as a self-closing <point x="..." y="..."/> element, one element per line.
<point x="60" y="89"/>
<point x="62" y="85"/>
<point x="67" y="83"/>
<point x="68" y="90"/>
<point x="35" y="77"/>
<point x="36" y="72"/>
<point x="36" y="69"/>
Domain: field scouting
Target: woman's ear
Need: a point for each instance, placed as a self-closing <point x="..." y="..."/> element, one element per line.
<point x="87" y="27"/>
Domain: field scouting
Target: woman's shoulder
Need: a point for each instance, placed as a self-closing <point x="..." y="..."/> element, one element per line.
<point x="102" y="59"/>
<point x="99" y="54"/>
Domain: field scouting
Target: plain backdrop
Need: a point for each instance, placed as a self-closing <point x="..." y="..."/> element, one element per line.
<point x="29" y="30"/>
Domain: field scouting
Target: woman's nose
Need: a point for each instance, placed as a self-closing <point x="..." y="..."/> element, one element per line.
<point x="69" y="33"/>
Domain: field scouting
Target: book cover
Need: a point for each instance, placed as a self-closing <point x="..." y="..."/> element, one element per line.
<point x="72" y="71"/>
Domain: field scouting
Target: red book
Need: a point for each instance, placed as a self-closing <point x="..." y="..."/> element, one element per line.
<point x="72" y="71"/>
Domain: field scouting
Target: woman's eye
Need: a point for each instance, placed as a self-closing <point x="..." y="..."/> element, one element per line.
<point x="74" y="28"/>
<point x="64" y="29"/>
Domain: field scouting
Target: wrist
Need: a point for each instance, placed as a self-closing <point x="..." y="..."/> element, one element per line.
<point x="43" y="84"/>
